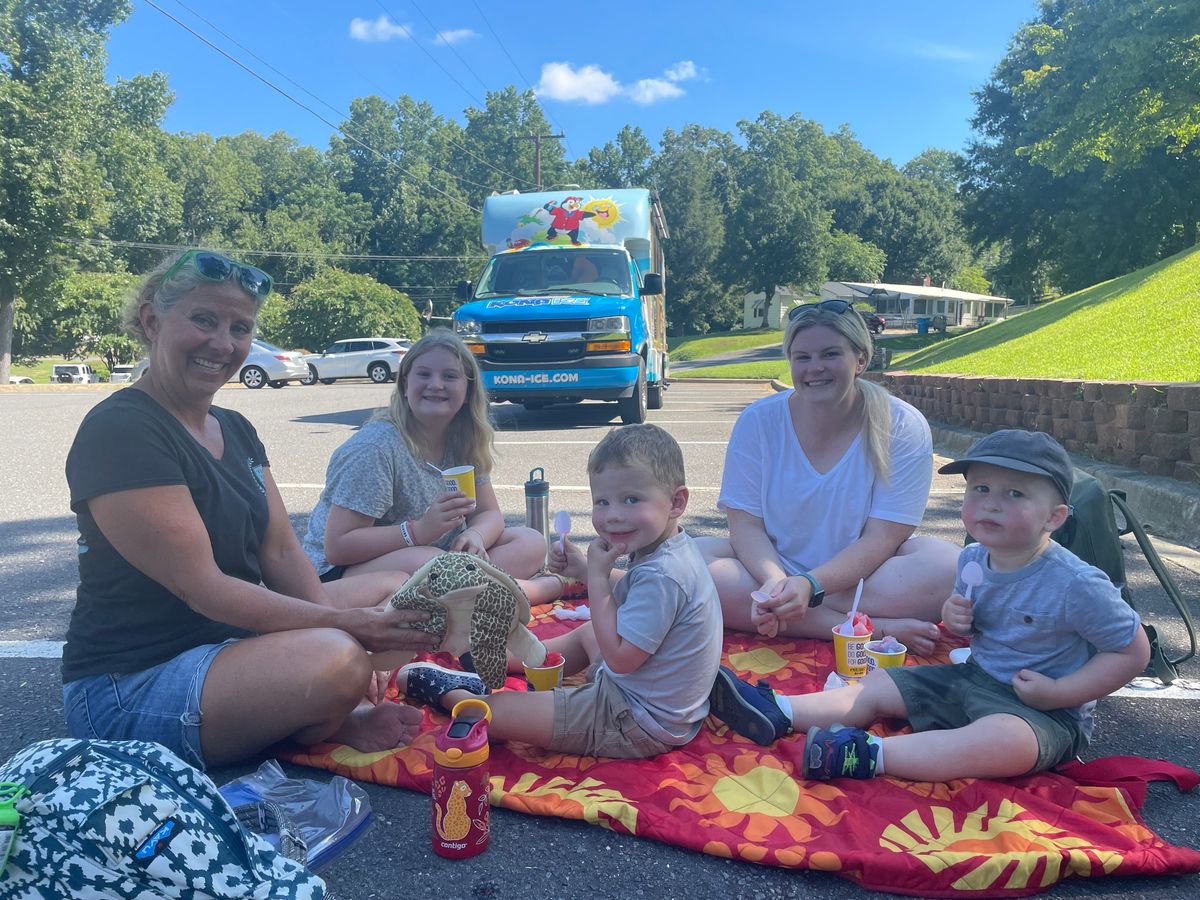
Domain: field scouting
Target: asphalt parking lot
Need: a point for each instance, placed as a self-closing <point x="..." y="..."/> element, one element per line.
<point x="530" y="857"/>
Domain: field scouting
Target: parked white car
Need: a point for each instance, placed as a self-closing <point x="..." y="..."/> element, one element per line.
<point x="377" y="358"/>
<point x="19" y="379"/>
<point x="265" y="364"/>
<point x="120" y="374"/>
<point x="268" y="364"/>
<point x="73" y="373"/>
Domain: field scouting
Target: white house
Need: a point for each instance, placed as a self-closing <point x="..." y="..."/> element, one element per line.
<point x="904" y="304"/>
<point x="752" y="307"/>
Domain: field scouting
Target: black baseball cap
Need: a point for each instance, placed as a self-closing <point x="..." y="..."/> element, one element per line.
<point x="1022" y="451"/>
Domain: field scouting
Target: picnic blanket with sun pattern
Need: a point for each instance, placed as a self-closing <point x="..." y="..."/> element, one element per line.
<point x="726" y="796"/>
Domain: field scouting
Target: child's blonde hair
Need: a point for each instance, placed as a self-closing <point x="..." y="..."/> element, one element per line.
<point x="645" y="446"/>
<point x="470" y="439"/>
<point x="877" y="405"/>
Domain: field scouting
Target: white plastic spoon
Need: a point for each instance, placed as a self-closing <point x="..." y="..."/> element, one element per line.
<point x="848" y="626"/>
<point x="562" y="527"/>
<point x="972" y="577"/>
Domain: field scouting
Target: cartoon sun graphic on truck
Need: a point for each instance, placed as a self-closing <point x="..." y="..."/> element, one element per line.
<point x="569" y="220"/>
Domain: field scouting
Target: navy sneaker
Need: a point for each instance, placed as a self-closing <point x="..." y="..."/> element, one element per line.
<point x="750" y="711"/>
<point x="428" y="683"/>
<point x="839" y="752"/>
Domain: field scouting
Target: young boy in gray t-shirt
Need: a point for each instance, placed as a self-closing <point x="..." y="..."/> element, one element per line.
<point x="1049" y="636"/>
<point x="653" y="644"/>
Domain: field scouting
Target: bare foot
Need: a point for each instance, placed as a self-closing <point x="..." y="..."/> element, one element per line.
<point x="372" y="728"/>
<point x="919" y="636"/>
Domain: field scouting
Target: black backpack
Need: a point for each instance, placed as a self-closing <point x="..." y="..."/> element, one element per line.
<point x="1091" y="533"/>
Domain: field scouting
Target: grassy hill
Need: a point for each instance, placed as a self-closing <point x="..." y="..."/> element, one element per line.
<point x="1141" y="326"/>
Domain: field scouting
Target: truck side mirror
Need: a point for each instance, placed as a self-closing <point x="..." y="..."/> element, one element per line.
<point x="462" y="291"/>
<point x="652" y="283"/>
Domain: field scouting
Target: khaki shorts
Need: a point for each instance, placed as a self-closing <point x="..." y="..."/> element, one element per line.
<point x="951" y="696"/>
<point x="595" y="720"/>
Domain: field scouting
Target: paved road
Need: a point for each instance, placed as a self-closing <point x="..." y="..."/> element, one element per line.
<point x="531" y="857"/>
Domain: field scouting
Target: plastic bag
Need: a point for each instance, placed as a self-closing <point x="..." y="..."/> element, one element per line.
<point x="326" y="818"/>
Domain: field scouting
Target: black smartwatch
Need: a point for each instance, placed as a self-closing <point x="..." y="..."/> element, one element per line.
<point x="818" y="592"/>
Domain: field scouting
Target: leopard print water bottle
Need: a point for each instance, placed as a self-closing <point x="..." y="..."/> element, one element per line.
<point x="460" y="782"/>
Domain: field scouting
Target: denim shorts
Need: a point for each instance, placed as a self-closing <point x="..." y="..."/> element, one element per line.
<point x="161" y="704"/>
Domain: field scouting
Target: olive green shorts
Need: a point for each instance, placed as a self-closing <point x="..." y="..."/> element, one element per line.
<point x="595" y="720"/>
<point x="951" y="696"/>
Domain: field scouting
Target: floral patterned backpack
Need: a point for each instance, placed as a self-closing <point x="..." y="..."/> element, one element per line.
<point x="129" y="819"/>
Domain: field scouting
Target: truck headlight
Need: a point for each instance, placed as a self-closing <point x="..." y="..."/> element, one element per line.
<point x="609" y="323"/>
<point x="467" y="326"/>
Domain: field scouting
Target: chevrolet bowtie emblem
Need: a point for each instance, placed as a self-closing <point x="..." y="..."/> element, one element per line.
<point x="535" y="337"/>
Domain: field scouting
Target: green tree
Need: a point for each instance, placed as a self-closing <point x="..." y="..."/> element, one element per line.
<point x="853" y="259"/>
<point x="623" y="164"/>
<point x="335" y="304"/>
<point x="52" y="91"/>
<point x="87" y="309"/>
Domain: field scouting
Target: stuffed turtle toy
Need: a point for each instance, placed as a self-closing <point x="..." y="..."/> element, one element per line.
<point x="475" y="606"/>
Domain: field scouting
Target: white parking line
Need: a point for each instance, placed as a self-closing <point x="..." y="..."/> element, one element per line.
<point x="31" y="649"/>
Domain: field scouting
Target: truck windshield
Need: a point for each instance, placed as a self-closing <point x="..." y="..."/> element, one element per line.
<point x="594" y="272"/>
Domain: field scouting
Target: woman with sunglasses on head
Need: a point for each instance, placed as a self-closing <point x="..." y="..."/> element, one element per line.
<point x="823" y="485"/>
<point x="199" y="622"/>
<point x="385" y="503"/>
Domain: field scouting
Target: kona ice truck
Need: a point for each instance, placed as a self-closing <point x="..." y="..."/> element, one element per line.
<point x="570" y="306"/>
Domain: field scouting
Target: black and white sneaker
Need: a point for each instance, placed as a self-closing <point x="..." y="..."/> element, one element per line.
<point x="428" y="682"/>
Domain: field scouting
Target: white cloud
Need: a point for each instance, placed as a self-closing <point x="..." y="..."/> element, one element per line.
<point x="682" y="71"/>
<point x="651" y="90"/>
<point x="381" y="29"/>
<point x="589" y="84"/>
<point x="455" y="36"/>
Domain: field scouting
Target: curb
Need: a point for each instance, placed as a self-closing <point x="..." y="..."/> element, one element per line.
<point x="1166" y="507"/>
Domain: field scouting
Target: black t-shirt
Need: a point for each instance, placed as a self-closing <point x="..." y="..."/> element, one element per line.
<point x="124" y="621"/>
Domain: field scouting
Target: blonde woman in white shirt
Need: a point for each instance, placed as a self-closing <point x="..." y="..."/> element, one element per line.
<point x="826" y="484"/>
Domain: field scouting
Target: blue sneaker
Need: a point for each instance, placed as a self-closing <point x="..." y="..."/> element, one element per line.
<point x="839" y="752"/>
<point x="750" y="711"/>
<point x="428" y="683"/>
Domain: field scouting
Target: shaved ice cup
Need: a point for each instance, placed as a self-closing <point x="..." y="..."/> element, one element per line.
<point x="879" y="658"/>
<point x="850" y="653"/>
<point x="545" y="677"/>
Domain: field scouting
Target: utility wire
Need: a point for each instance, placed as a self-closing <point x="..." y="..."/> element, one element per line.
<point x="422" y="48"/>
<point x="310" y="110"/>
<point x="519" y="72"/>
<point x="298" y="254"/>
<point x="343" y="113"/>
<point x="447" y="44"/>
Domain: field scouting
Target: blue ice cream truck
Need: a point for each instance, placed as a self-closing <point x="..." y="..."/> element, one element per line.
<point x="570" y="306"/>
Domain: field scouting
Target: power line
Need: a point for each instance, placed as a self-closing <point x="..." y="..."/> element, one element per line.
<point x="421" y="46"/>
<point x="447" y="44"/>
<point x="310" y="110"/>
<point x="343" y="113"/>
<point x="295" y="254"/>
<point x="518" y="70"/>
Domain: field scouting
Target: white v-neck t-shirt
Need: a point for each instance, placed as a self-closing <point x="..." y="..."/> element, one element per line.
<point x="811" y="517"/>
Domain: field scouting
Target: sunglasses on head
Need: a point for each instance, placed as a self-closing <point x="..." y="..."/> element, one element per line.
<point x="834" y="306"/>
<point x="215" y="267"/>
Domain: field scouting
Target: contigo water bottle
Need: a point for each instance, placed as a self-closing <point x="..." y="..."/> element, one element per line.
<point x="537" y="504"/>
<point x="460" y="782"/>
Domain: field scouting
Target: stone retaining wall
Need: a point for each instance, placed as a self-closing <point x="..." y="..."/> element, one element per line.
<point x="1151" y="426"/>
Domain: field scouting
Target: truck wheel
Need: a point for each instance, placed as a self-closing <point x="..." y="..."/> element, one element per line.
<point x="633" y="409"/>
<point x="654" y="395"/>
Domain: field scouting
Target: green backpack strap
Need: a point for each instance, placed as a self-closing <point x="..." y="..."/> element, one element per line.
<point x="1165" y="667"/>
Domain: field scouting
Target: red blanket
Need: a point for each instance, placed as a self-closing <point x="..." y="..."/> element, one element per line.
<point x="724" y="795"/>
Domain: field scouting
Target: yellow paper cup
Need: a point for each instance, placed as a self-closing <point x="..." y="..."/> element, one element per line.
<point x="460" y="478"/>
<point x="850" y="654"/>
<point x="881" y="659"/>
<point x="544" y="678"/>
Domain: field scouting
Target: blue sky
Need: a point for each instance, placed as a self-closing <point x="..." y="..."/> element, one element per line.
<point x="900" y="74"/>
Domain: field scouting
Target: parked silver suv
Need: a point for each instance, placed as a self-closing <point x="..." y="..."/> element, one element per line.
<point x="73" y="373"/>
<point x="377" y="358"/>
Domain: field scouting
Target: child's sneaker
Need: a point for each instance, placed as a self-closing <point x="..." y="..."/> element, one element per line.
<point x="750" y="711"/>
<point x="428" y="683"/>
<point x="839" y="752"/>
